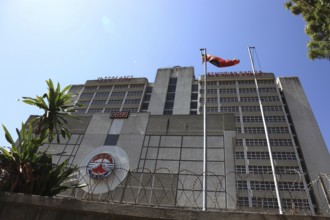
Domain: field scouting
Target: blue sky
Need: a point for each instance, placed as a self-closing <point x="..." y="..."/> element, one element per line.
<point x="71" y="41"/>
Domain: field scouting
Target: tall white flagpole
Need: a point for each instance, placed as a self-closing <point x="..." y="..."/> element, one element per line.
<point x="267" y="137"/>
<point x="204" y="134"/>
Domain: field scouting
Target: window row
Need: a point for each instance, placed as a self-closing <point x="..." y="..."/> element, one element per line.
<point x="259" y="119"/>
<point x="254" y="90"/>
<point x="249" y="82"/>
<point x="267" y="169"/>
<point x="261" y="130"/>
<point x="244" y="108"/>
<point x="269" y="185"/>
<point x="263" y="142"/>
<point x="265" y="155"/>
<point x="118" y="86"/>
<point x="248" y="99"/>
<point x="108" y="110"/>
<point x="272" y="203"/>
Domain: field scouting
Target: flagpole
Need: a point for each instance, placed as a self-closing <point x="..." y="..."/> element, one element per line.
<point x="267" y="137"/>
<point x="204" y="133"/>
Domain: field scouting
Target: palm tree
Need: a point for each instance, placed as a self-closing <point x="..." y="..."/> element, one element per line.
<point x="23" y="168"/>
<point x="57" y="106"/>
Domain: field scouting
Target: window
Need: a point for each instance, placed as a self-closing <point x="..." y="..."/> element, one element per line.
<point x="134" y="93"/>
<point x="250" y="108"/>
<point x="194" y="96"/>
<point x="278" y="130"/>
<point x="169" y="105"/>
<point x="98" y="102"/>
<point x="145" y="106"/>
<point x="129" y="110"/>
<point x="170" y="96"/>
<point x="147" y="97"/>
<point x="107" y="87"/>
<point x="252" y="119"/>
<point x="102" y="94"/>
<point x="272" y="108"/>
<point x="211" y="83"/>
<point x="171" y="88"/>
<point x="241" y="185"/>
<point x="256" y="142"/>
<point x="90" y="87"/>
<point x="247" y="90"/>
<point x="137" y="86"/>
<point x="268" y="169"/>
<point x="228" y="99"/>
<point x="193" y="105"/>
<point x="229" y="108"/>
<point x="95" y="110"/>
<point x="211" y="109"/>
<point x="168" y="112"/>
<point x="173" y="81"/>
<point x="132" y="101"/>
<point x="85" y="103"/>
<point x="86" y="95"/>
<point x="275" y="118"/>
<point x="243" y="201"/>
<point x="281" y="142"/>
<point x="259" y="119"/>
<point x="239" y="142"/>
<point x="240" y="169"/>
<point x="270" y="98"/>
<point x="249" y="99"/>
<point x="265" y="155"/>
<point x="272" y="203"/>
<point x="265" y="202"/>
<point x="239" y="155"/>
<point x="246" y="82"/>
<point x="115" y="102"/>
<point x="295" y="203"/>
<point x="224" y="91"/>
<point x="254" y="130"/>
<point x="265" y="90"/>
<point x="266" y="82"/>
<point x="260" y="169"/>
<point x="149" y="89"/>
<point x="194" y="88"/>
<point x="211" y="91"/>
<point x="226" y="82"/>
<point x="122" y="86"/>
<point x="211" y="100"/>
<point x="107" y="110"/>
<point x="118" y="94"/>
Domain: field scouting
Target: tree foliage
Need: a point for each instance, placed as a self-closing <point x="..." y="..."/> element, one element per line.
<point x="316" y="13"/>
<point x="57" y="106"/>
<point x="24" y="168"/>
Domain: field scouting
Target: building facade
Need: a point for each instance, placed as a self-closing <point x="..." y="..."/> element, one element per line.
<point x="159" y="127"/>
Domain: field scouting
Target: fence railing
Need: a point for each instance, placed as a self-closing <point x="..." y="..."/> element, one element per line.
<point x="230" y="192"/>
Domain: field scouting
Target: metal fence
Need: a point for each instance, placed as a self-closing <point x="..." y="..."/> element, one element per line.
<point x="230" y="192"/>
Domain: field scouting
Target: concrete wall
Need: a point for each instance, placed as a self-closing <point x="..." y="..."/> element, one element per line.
<point x="183" y="91"/>
<point x="312" y="145"/>
<point x="30" y="207"/>
<point x="158" y="95"/>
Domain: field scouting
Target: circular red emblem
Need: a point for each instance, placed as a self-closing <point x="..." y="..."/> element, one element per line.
<point x="100" y="166"/>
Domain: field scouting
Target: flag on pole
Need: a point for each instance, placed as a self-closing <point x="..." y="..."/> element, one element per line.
<point x="217" y="61"/>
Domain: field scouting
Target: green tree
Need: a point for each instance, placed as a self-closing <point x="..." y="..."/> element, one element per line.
<point x="23" y="167"/>
<point x="57" y="107"/>
<point x="316" y="13"/>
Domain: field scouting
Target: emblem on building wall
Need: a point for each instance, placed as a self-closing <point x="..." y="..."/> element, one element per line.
<point x="100" y="166"/>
